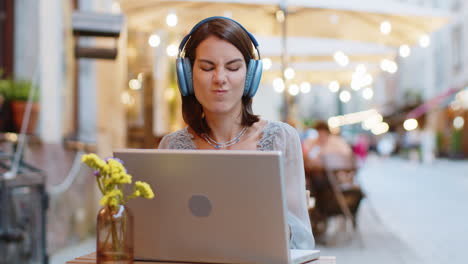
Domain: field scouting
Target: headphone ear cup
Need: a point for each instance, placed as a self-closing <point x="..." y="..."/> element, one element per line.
<point x="184" y="76"/>
<point x="257" y="76"/>
<point x="252" y="78"/>
<point x="249" y="76"/>
<point x="181" y="80"/>
<point x="188" y="76"/>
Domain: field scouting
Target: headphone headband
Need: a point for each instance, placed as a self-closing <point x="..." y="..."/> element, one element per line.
<point x="184" y="67"/>
<point x="199" y="24"/>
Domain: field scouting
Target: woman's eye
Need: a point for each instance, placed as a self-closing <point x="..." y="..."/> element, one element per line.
<point x="233" y="68"/>
<point x="206" y="69"/>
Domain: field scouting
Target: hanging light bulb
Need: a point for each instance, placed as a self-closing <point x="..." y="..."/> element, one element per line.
<point x="267" y="63"/>
<point x="134" y="84"/>
<point x="154" y="40"/>
<point x="171" y="19"/>
<point x="385" y="27"/>
<point x="293" y="89"/>
<point x="458" y="122"/>
<point x="368" y="93"/>
<point x="405" y="51"/>
<point x="424" y="41"/>
<point x="345" y="96"/>
<point x="334" y="86"/>
<point x="172" y="50"/>
<point x="410" y="124"/>
<point x="278" y="85"/>
<point x="280" y="16"/>
<point x="305" y="87"/>
<point x="289" y="73"/>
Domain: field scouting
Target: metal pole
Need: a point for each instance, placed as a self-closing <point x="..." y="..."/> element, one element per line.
<point x="284" y="61"/>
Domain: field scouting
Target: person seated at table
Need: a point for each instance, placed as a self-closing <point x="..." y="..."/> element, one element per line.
<point x="324" y="144"/>
<point x="218" y="74"/>
<point x="316" y="149"/>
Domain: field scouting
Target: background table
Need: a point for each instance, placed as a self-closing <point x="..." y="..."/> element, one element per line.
<point x="91" y="259"/>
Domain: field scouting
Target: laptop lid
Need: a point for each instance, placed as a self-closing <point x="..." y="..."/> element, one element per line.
<point x="209" y="206"/>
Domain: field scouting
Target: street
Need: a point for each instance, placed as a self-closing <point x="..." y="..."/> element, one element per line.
<point x="413" y="213"/>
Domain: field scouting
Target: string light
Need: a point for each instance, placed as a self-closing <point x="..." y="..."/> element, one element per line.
<point x="380" y="128"/>
<point x="154" y="40"/>
<point x="293" y="89"/>
<point x="405" y="51"/>
<point x="134" y="84"/>
<point x="345" y="96"/>
<point x="278" y="85"/>
<point x="367" y="93"/>
<point x="280" y="16"/>
<point x="388" y="66"/>
<point x="334" y="86"/>
<point x="305" y="87"/>
<point x="458" y="122"/>
<point x="171" y="19"/>
<point x="341" y="58"/>
<point x="172" y="50"/>
<point x="424" y="41"/>
<point x="289" y="73"/>
<point x="410" y="124"/>
<point x="267" y="63"/>
<point x="385" y="27"/>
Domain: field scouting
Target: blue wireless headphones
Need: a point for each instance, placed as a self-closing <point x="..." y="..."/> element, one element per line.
<point x="184" y="68"/>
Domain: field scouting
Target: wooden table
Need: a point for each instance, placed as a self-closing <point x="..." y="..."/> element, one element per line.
<point x="91" y="259"/>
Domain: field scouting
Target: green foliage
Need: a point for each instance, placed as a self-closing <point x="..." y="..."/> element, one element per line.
<point x="21" y="90"/>
<point x="16" y="89"/>
<point x="456" y="145"/>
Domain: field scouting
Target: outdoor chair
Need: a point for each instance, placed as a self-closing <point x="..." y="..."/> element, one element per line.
<point x="337" y="194"/>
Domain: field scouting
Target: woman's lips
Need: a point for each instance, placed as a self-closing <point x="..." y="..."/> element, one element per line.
<point x="220" y="92"/>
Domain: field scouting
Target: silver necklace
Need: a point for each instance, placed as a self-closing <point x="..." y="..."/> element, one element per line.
<point x="219" y="145"/>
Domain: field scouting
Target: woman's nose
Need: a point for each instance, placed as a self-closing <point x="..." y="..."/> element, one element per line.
<point x="219" y="76"/>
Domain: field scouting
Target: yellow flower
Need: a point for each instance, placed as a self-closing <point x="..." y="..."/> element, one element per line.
<point x="112" y="198"/>
<point x="143" y="189"/>
<point x="115" y="166"/>
<point x="93" y="161"/>
<point x="125" y="178"/>
<point x="111" y="175"/>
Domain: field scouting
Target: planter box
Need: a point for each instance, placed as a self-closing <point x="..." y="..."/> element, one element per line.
<point x="18" y="109"/>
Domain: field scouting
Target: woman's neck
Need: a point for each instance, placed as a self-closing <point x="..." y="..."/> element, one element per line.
<point x="224" y="127"/>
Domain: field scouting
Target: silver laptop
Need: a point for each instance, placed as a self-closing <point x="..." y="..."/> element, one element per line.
<point x="211" y="207"/>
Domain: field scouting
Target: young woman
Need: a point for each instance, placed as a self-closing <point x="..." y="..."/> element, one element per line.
<point x="218" y="76"/>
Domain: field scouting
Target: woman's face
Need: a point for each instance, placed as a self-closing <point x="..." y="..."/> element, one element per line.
<point x="219" y="76"/>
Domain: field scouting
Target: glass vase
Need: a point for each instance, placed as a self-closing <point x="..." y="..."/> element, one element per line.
<point x="114" y="231"/>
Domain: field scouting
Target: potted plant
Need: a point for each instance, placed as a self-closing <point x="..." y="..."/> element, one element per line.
<point x="6" y="117"/>
<point x="14" y="96"/>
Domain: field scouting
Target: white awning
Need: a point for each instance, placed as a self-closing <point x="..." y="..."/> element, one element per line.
<point x="357" y="20"/>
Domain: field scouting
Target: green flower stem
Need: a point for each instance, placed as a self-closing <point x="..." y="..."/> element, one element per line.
<point x="114" y="234"/>
<point x="99" y="185"/>
<point x="107" y="238"/>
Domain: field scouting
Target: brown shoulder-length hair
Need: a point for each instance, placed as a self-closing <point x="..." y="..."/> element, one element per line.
<point x="230" y="31"/>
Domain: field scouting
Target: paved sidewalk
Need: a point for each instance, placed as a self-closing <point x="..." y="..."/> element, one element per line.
<point x="85" y="247"/>
<point x="413" y="213"/>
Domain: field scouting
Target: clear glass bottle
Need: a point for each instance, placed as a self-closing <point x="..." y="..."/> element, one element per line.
<point x="114" y="231"/>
